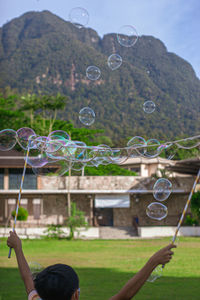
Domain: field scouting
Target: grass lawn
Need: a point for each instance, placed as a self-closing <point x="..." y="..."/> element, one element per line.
<point x="104" y="266"/>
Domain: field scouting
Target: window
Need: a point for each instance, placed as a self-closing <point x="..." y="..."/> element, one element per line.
<point x="36" y="208"/>
<point x="11" y="206"/>
<point x="15" y="176"/>
<point x="112" y="201"/>
<point x="1" y="179"/>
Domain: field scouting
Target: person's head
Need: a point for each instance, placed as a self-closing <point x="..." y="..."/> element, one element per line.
<point x="58" y="282"/>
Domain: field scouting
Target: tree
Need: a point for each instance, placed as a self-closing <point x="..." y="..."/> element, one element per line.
<point x="41" y="114"/>
<point x="76" y="220"/>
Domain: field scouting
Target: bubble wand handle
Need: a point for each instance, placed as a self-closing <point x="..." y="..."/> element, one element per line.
<point x="186" y="207"/>
<point x="19" y="197"/>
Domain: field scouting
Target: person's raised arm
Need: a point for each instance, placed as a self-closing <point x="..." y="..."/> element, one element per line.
<point x="131" y="288"/>
<point x="15" y="243"/>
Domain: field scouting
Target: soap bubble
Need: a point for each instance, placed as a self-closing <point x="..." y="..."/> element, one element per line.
<point x="87" y="116"/>
<point x="152" y="148"/>
<point x="138" y="144"/>
<point x="162" y="189"/>
<point x="23" y="135"/>
<point x="35" y="268"/>
<point x="119" y="156"/>
<point x="157" y="273"/>
<point x="93" y="73"/>
<point x="7" y="139"/>
<point x="168" y="151"/>
<point x="114" y="61"/>
<point x="190" y="143"/>
<point x="127" y="36"/>
<point x="79" y="17"/>
<point x="52" y="169"/>
<point x="149" y="107"/>
<point x="157" y="211"/>
<point x="56" y="140"/>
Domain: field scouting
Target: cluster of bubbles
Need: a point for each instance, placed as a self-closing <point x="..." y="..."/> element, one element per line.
<point x="56" y="153"/>
<point x="127" y="36"/>
<point x="161" y="191"/>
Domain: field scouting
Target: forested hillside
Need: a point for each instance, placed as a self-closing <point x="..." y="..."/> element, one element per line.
<point x="41" y="53"/>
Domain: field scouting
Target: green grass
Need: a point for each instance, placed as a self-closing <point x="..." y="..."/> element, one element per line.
<point x="104" y="266"/>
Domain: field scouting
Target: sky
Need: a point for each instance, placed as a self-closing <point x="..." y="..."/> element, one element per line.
<point x="174" y="22"/>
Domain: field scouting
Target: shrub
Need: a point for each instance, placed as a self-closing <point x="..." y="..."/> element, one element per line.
<point x="54" y="231"/>
<point x="76" y="220"/>
<point x="22" y="214"/>
<point x="195" y="204"/>
<point x="190" y="221"/>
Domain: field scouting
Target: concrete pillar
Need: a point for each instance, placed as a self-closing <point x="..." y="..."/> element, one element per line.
<point x="6" y="179"/>
<point x="91" y="211"/>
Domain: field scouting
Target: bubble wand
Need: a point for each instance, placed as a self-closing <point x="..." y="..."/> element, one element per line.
<point x="186" y="207"/>
<point x="19" y="197"/>
<point x="158" y="270"/>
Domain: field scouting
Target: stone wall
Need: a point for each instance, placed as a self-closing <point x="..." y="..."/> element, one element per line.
<point x="138" y="205"/>
<point x="110" y="183"/>
<point x="54" y="206"/>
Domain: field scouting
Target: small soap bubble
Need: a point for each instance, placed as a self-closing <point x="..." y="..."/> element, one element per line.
<point x="35" y="268"/>
<point x="149" y="107"/>
<point x="93" y="73"/>
<point x="114" y="61"/>
<point x="79" y="17"/>
<point x="127" y="36"/>
<point x="156" y="211"/>
<point x="157" y="273"/>
<point x="87" y="116"/>
<point x="162" y="189"/>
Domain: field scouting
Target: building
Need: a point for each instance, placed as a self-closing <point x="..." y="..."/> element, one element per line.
<point x="146" y="167"/>
<point x="106" y="200"/>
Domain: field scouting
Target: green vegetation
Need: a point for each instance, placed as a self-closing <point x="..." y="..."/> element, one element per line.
<point x="105" y="266"/>
<point x="109" y="170"/>
<point x="43" y="54"/>
<point x="75" y="220"/>
<point x="195" y="205"/>
<point x="22" y="214"/>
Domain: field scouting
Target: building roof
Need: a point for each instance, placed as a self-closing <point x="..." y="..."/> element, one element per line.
<point x="147" y="161"/>
<point x="186" y="166"/>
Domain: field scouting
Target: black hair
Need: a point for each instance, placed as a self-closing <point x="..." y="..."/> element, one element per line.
<point x="56" y="282"/>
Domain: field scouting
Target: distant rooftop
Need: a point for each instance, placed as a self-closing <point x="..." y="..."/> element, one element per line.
<point x="187" y="166"/>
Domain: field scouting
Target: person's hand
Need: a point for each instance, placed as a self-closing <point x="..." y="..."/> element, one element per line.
<point x="14" y="241"/>
<point x="163" y="256"/>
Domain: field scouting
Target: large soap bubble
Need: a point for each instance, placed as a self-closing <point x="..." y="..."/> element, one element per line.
<point x="157" y="211"/>
<point x="138" y="144"/>
<point x="7" y="139"/>
<point x="149" y="107"/>
<point x="152" y="149"/>
<point x="23" y="136"/>
<point x="87" y="116"/>
<point x="52" y="169"/>
<point x="127" y="36"/>
<point x="93" y="72"/>
<point x="162" y="189"/>
<point x="79" y="17"/>
<point x="168" y="150"/>
<point x="114" y="61"/>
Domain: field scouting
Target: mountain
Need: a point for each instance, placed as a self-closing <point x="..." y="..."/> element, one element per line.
<point x="41" y="53"/>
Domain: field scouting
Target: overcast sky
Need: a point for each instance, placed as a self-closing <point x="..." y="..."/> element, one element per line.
<point x="175" y="22"/>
